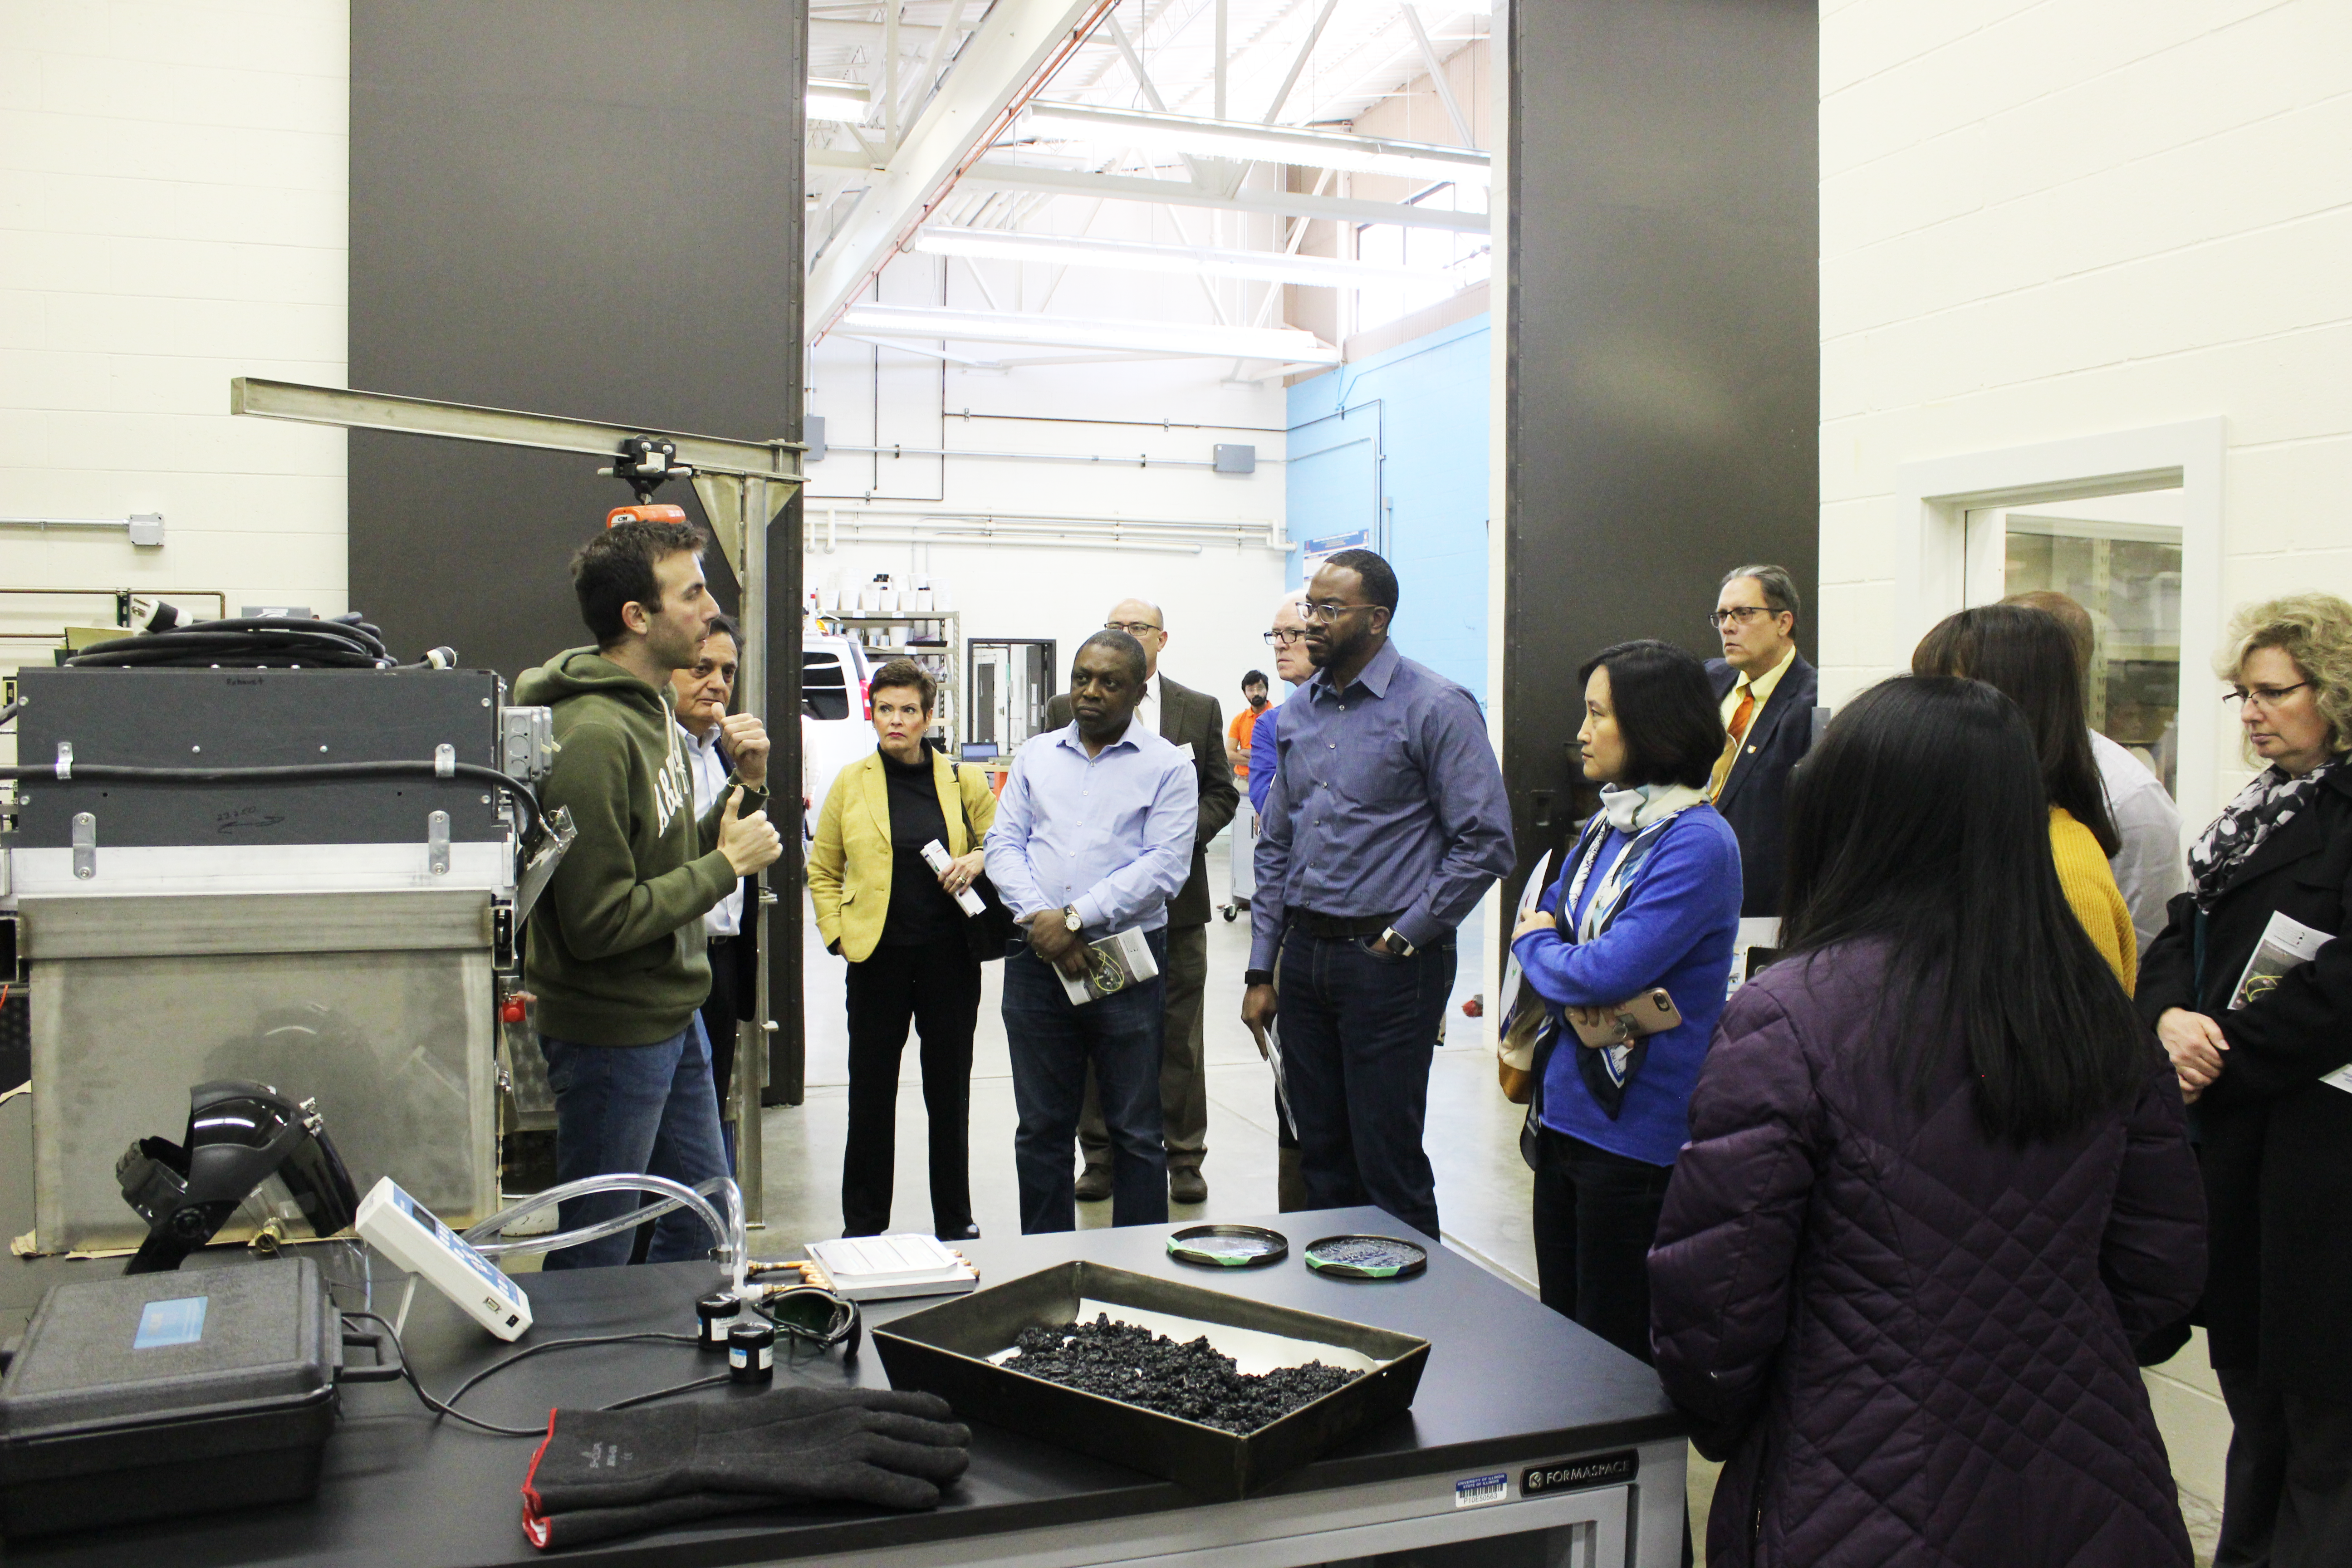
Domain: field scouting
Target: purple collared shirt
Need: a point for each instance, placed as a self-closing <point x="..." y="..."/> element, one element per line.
<point x="1386" y="797"/>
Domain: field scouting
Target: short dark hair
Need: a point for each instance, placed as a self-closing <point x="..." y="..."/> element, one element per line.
<point x="1666" y="709"/>
<point x="616" y="568"/>
<point x="904" y="673"/>
<point x="1779" y="589"/>
<point x="1138" y="668"/>
<point x="1255" y="677"/>
<point x="2071" y="614"/>
<point x="723" y="622"/>
<point x="1380" y="580"/>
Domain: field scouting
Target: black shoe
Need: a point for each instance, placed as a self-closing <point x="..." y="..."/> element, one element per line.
<point x="1187" y="1187"/>
<point x="967" y="1232"/>
<point x="1094" y="1184"/>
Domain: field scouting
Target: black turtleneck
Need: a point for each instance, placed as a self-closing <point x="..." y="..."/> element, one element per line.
<point x="920" y="910"/>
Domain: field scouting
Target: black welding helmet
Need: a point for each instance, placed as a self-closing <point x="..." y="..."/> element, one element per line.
<point x="244" y="1141"/>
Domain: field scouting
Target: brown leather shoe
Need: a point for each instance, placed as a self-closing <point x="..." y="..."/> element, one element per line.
<point x="1187" y="1187"/>
<point x="1094" y="1183"/>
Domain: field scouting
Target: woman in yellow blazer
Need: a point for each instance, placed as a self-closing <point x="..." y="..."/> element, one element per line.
<point x="880" y="905"/>
<point x="2029" y="656"/>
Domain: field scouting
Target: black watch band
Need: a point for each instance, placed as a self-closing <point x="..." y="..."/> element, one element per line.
<point x="1257" y="977"/>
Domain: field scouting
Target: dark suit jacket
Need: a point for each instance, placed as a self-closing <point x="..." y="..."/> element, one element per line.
<point x="1188" y="718"/>
<point x="2271" y="1137"/>
<point x="1755" y="796"/>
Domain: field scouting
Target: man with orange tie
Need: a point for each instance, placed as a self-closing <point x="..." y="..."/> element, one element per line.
<point x="1768" y="692"/>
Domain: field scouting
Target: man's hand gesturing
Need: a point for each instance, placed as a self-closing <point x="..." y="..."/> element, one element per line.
<point x="749" y="843"/>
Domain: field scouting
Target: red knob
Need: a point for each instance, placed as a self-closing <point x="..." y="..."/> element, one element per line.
<point x="511" y="1010"/>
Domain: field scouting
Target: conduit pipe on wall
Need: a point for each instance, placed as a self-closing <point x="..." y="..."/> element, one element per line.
<point x="1142" y="460"/>
<point x="889" y="525"/>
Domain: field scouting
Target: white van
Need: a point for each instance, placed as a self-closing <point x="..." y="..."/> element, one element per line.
<point x="836" y="715"/>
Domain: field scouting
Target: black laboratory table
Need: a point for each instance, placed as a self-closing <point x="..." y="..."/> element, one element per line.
<point x="1510" y="1388"/>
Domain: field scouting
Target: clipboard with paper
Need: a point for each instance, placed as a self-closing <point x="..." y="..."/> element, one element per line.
<point x="2287" y="944"/>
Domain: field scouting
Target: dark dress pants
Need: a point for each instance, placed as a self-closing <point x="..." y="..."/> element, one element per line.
<point x="2288" y="1502"/>
<point x="718" y="1021"/>
<point x="1183" y="1064"/>
<point x="937" y="987"/>
<point x="1595" y="1216"/>
<point x="1358" y="1030"/>
<point x="1053" y="1043"/>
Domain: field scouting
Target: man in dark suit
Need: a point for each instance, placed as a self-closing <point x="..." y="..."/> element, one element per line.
<point x="1185" y="719"/>
<point x="1769" y="693"/>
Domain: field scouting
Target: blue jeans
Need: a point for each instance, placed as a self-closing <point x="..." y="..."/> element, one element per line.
<point x="1052" y="1042"/>
<point x="1358" y="1029"/>
<point x="649" y="1110"/>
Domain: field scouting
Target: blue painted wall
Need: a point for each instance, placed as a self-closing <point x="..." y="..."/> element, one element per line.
<point x="1396" y="445"/>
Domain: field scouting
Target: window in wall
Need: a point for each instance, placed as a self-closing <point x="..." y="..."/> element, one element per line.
<point x="2120" y="558"/>
<point x="1459" y="259"/>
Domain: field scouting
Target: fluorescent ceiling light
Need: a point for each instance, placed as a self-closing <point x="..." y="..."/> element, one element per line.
<point x="1196" y="260"/>
<point x="847" y="101"/>
<point x="930" y="323"/>
<point x="1263" y="143"/>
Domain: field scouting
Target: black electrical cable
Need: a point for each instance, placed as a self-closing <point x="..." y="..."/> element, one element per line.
<point x="296" y="773"/>
<point x="449" y="1406"/>
<point x="408" y="1374"/>
<point x="266" y="641"/>
<point x="11" y="712"/>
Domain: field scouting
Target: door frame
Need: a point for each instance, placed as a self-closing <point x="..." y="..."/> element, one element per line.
<point x="1933" y="496"/>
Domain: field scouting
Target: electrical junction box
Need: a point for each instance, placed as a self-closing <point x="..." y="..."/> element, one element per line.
<point x="1236" y="458"/>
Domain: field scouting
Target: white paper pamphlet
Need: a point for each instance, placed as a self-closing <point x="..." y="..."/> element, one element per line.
<point x="1113" y="964"/>
<point x="2286" y="943"/>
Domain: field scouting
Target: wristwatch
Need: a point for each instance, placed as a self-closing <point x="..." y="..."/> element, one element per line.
<point x="1397" y="944"/>
<point x="1257" y="977"/>
<point x="1070" y="921"/>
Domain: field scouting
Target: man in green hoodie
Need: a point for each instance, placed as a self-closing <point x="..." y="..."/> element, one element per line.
<point x="616" y="957"/>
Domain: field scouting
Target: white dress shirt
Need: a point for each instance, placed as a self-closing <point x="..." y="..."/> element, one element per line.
<point x="709" y="772"/>
<point x="1147" y="710"/>
<point x="2148" y="866"/>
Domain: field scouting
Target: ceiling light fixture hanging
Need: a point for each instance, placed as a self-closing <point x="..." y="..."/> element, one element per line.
<point x="844" y="100"/>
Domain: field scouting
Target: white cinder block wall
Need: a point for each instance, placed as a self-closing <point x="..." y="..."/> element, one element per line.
<point x="174" y="209"/>
<point x="2044" y="220"/>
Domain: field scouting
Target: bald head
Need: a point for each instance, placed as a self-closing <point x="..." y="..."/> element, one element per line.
<point x="1140" y="619"/>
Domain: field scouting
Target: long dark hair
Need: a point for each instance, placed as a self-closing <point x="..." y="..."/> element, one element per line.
<point x="2029" y="656"/>
<point x="1919" y="820"/>
<point x="1670" y="718"/>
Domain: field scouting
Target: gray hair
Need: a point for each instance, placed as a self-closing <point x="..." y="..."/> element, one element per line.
<point x="1779" y="588"/>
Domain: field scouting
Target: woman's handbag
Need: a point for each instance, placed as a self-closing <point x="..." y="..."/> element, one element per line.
<point x="994" y="930"/>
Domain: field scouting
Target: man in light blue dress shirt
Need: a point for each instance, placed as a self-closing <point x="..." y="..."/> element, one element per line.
<point x="1092" y="836"/>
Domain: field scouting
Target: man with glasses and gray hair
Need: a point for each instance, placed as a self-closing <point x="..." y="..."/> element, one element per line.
<point x="1191" y="722"/>
<point x="1769" y="693"/>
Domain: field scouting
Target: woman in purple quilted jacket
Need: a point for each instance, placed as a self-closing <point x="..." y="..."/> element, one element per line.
<point x="1937" y="1185"/>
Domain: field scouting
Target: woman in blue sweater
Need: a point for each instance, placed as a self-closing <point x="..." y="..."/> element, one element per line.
<point x="1649" y="897"/>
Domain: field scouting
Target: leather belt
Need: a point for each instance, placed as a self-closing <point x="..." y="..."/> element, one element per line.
<point x="1314" y="924"/>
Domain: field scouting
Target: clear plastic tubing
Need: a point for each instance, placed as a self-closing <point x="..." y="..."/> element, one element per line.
<point x="733" y="1253"/>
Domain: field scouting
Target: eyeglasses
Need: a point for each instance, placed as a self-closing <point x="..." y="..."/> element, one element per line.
<point x="2265" y="696"/>
<point x="1328" y="610"/>
<point x="1743" y="613"/>
<point x="1283" y="636"/>
<point x="1132" y="628"/>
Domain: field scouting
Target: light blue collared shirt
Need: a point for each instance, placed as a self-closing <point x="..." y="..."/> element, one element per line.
<point x="1109" y="835"/>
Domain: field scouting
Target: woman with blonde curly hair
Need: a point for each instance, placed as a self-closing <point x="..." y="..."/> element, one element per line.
<point x="2262" y="1049"/>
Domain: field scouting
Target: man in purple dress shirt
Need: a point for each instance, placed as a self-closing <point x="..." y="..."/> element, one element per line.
<point x="1386" y="824"/>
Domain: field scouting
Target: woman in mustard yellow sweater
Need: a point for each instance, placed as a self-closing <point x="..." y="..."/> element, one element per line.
<point x="2028" y="655"/>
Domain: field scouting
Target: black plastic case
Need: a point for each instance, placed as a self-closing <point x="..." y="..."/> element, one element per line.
<point x="98" y="1428"/>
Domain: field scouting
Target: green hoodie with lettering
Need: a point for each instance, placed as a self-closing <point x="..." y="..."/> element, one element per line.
<point x="616" y="955"/>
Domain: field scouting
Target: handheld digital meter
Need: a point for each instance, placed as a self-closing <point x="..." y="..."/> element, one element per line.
<point x="407" y="1232"/>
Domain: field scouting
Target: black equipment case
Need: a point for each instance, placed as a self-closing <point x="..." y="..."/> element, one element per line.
<point x="153" y="1395"/>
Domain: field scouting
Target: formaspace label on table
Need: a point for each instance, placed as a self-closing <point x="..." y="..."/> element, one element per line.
<point x="1575" y="1475"/>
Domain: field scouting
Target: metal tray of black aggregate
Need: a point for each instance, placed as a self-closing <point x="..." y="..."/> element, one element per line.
<point x="1228" y="1246"/>
<point x="944" y="1350"/>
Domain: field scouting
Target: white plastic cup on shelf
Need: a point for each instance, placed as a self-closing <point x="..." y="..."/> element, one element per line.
<point x="828" y="601"/>
<point x="923" y="601"/>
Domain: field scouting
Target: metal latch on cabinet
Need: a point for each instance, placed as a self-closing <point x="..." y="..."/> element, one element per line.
<point x="84" y="844"/>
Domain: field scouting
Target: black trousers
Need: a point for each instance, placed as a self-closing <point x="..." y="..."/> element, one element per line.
<point x="718" y="1020"/>
<point x="937" y="987"/>
<point x="2288" y="1502"/>
<point x="1595" y="1216"/>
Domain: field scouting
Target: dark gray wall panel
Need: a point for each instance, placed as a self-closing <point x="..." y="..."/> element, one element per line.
<point x="578" y="206"/>
<point x="1663" y="382"/>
